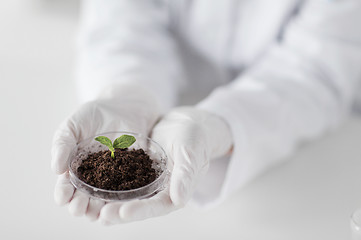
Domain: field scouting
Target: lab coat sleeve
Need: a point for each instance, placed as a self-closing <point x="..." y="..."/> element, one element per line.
<point x="127" y="41"/>
<point x="302" y="87"/>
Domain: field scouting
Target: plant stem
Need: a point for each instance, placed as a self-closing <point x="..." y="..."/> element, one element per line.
<point x="112" y="155"/>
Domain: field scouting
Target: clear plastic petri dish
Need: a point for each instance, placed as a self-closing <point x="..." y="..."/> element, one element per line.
<point x="153" y="149"/>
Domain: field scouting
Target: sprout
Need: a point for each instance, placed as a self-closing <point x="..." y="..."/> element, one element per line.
<point x="121" y="142"/>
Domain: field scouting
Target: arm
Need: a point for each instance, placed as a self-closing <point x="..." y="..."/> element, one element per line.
<point x="301" y="88"/>
<point x="128" y="66"/>
<point x="124" y="41"/>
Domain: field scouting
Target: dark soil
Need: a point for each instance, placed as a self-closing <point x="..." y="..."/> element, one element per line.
<point x="129" y="170"/>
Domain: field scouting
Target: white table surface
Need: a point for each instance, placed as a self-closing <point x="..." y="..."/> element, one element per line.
<point x="310" y="196"/>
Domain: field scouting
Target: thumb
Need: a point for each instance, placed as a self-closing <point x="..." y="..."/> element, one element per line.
<point x="63" y="142"/>
<point x="184" y="177"/>
<point x="158" y="205"/>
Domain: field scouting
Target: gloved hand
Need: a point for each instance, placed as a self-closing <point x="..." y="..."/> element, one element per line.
<point x="190" y="137"/>
<point x="119" y="108"/>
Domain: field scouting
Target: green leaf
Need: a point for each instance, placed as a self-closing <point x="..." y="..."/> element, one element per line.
<point x="106" y="141"/>
<point x="124" y="141"/>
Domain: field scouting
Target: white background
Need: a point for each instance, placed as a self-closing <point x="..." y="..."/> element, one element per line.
<point x="309" y="196"/>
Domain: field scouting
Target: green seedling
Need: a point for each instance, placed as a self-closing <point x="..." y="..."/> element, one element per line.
<point x="121" y="142"/>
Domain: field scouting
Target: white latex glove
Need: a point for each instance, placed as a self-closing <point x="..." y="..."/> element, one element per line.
<point x="119" y="108"/>
<point x="190" y="137"/>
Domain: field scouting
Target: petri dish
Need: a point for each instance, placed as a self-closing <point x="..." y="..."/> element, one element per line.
<point x="152" y="148"/>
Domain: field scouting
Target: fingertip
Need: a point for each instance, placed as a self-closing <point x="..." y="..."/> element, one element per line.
<point x="64" y="190"/>
<point x="63" y="194"/>
<point x="110" y="213"/>
<point x="104" y="223"/>
<point x="94" y="209"/>
<point x="79" y="204"/>
<point x="60" y="158"/>
<point x="130" y="211"/>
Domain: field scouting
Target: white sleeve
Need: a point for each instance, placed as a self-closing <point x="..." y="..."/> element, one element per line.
<point x="127" y="41"/>
<point x="302" y="87"/>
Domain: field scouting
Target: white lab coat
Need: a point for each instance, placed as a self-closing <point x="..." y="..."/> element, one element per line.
<point x="283" y="71"/>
